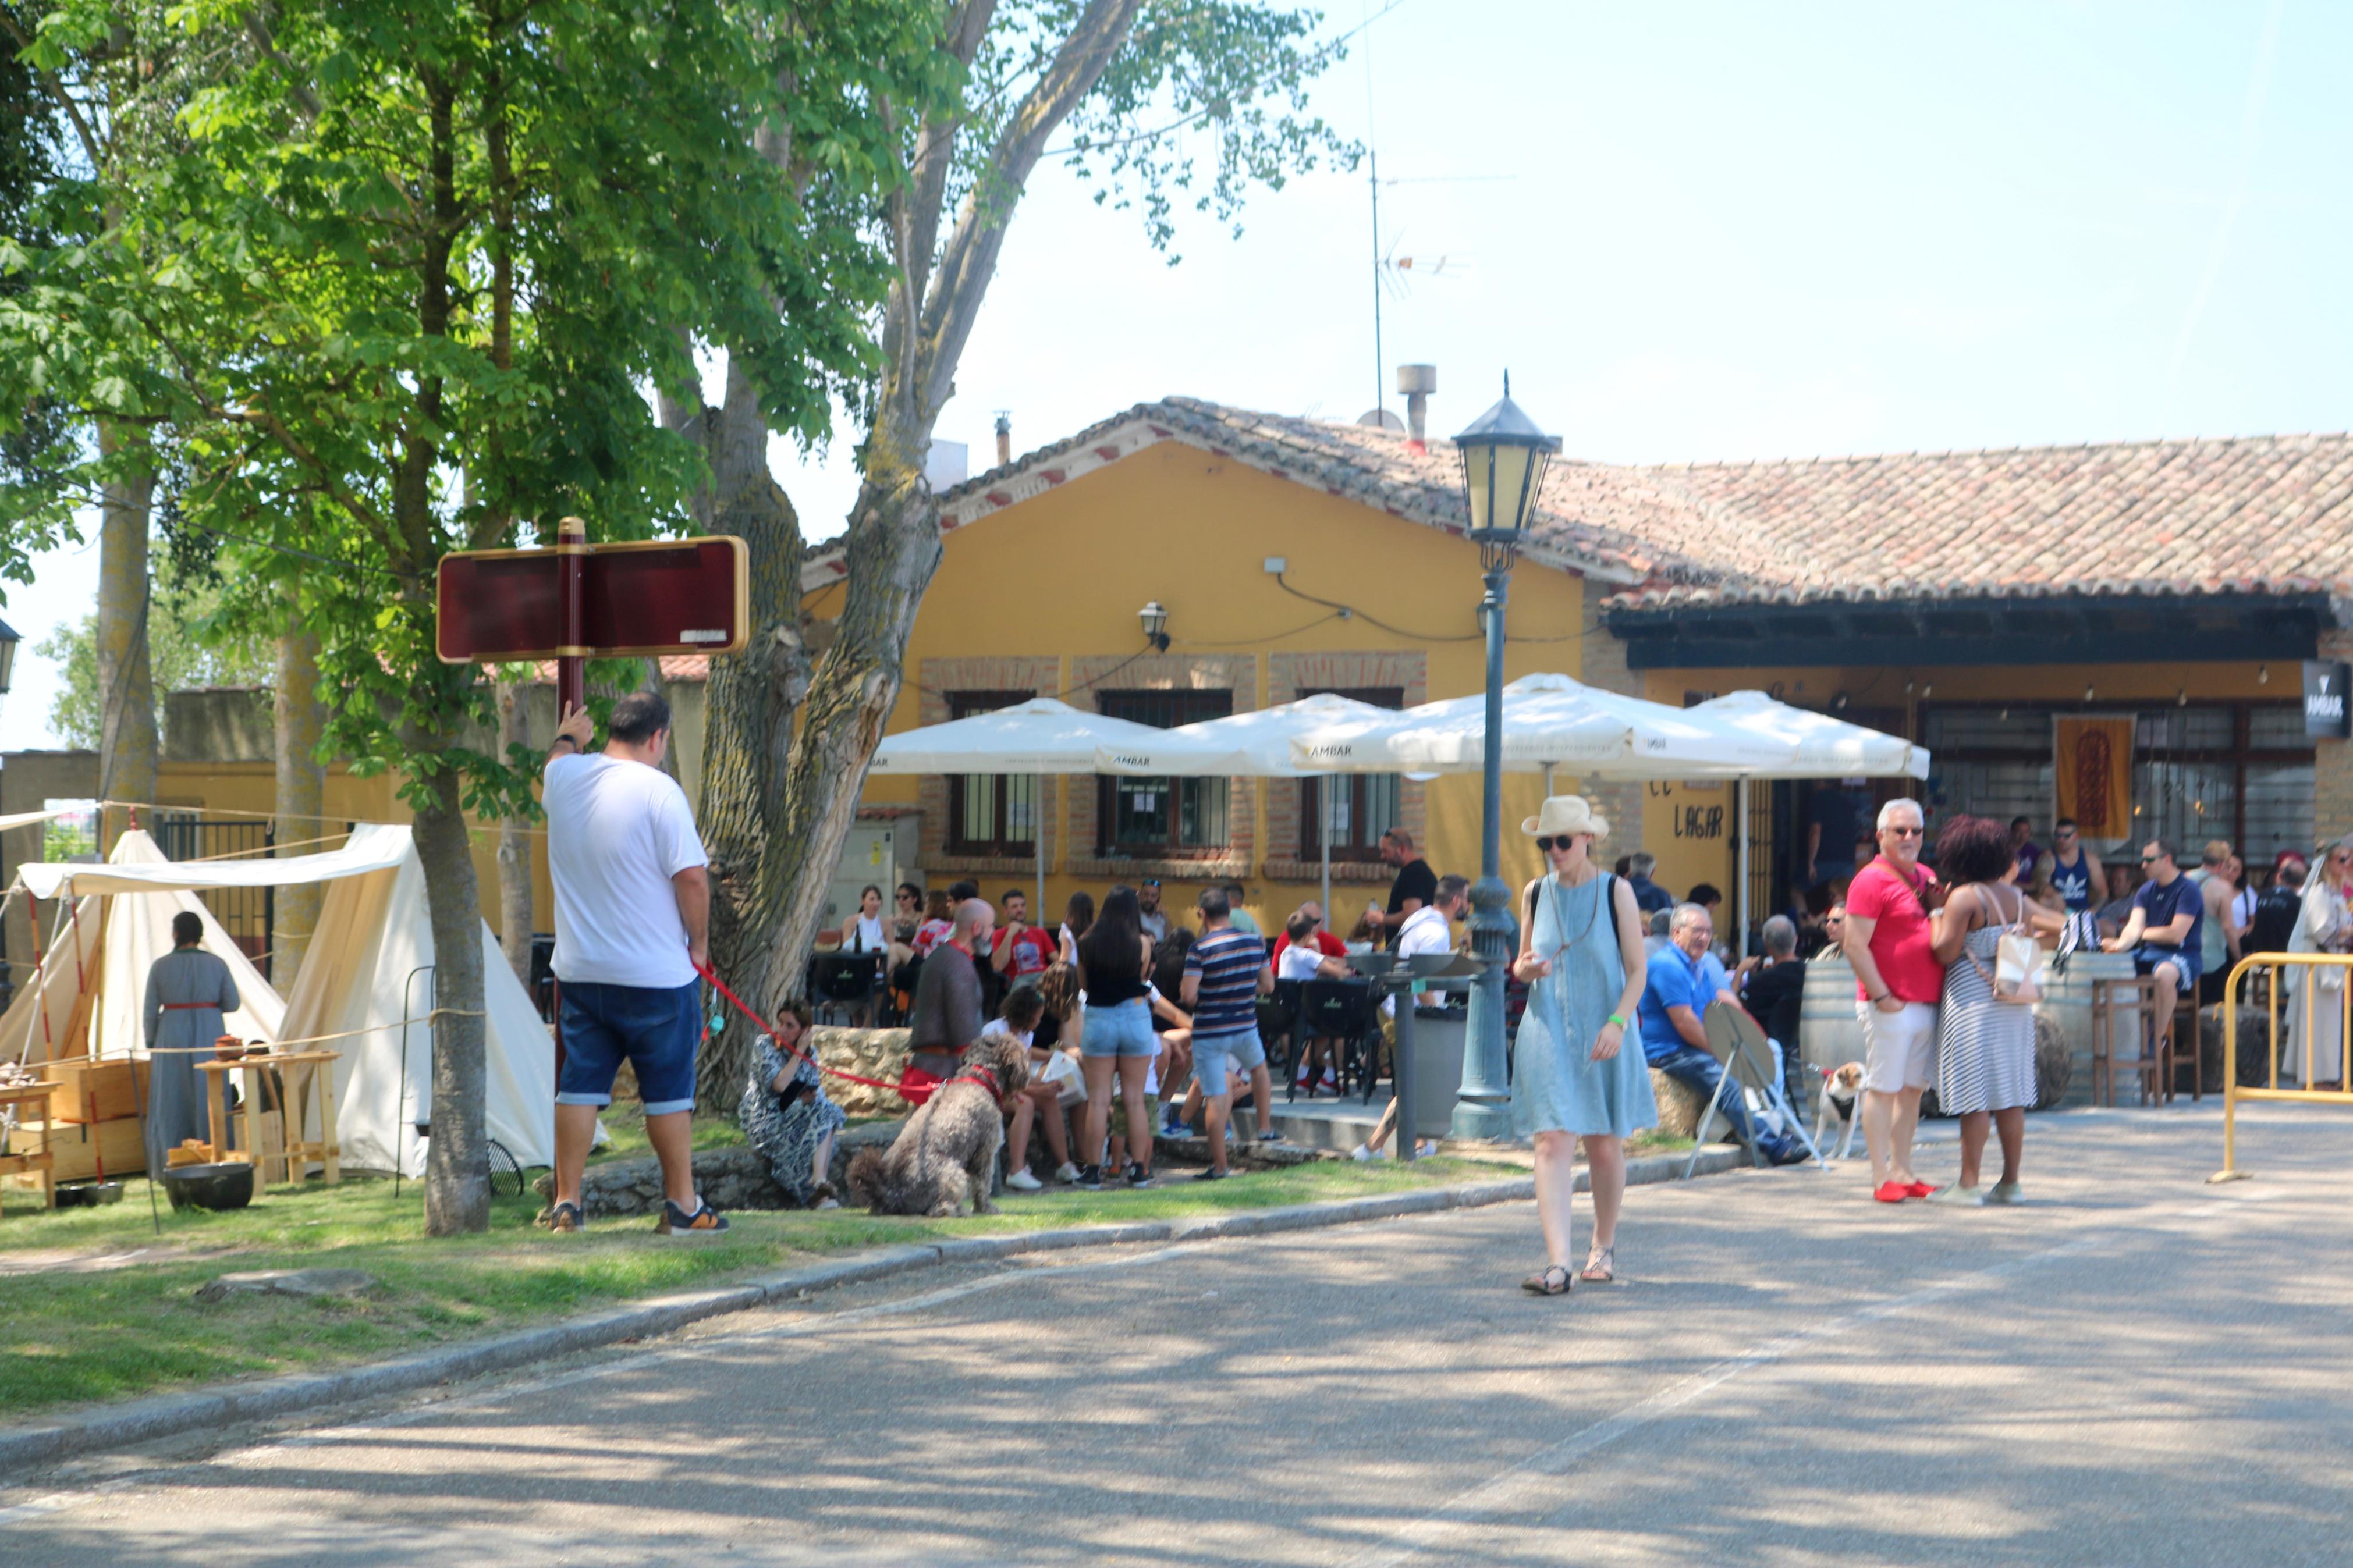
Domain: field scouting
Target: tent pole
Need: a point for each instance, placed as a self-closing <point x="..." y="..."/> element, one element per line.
<point x="1037" y="832"/>
<point x="1741" y="904"/>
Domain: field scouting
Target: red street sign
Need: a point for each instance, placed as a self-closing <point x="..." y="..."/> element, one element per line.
<point x="639" y="599"/>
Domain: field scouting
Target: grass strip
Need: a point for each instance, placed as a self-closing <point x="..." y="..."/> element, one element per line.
<point x="95" y="1306"/>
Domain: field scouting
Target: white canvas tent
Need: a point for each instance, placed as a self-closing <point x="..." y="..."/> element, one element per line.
<point x="368" y="968"/>
<point x="102" y="938"/>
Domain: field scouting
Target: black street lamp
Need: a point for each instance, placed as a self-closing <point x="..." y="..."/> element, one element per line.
<point x="1504" y="461"/>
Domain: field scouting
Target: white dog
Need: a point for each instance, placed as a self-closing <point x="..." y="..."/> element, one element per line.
<point x="1841" y="1089"/>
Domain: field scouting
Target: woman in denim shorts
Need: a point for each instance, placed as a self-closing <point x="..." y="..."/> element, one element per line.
<point x="1115" y="1032"/>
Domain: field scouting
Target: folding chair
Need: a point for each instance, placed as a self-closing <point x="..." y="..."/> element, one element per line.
<point x="1737" y="1041"/>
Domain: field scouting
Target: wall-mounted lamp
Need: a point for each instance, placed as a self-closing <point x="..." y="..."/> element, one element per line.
<point x="1838" y="701"/>
<point x="2182" y="696"/>
<point x="2087" y="694"/>
<point x="1155" y="616"/>
<point x="2263" y="675"/>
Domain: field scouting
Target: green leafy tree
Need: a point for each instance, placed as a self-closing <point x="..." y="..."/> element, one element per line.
<point x="397" y="290"/>
<point x="1167" y="105"/>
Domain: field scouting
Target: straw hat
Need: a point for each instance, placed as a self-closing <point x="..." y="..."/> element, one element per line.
<point x="1563" y="815"/>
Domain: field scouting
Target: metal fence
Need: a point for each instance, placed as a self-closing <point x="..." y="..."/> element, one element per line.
<point x="2315" y="993"/>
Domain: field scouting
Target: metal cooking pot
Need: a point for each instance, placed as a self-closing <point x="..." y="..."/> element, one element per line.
<point x="229" y="1186"/>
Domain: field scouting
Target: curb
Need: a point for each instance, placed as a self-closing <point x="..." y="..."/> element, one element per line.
<point x="169" y="1415"/>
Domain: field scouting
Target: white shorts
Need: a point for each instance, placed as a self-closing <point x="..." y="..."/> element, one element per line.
<point x="1899" y="1049"/>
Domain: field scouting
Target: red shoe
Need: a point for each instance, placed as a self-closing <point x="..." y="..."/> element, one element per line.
<point x="1893" y="1192"/>
<point x="1919" y="1189"/>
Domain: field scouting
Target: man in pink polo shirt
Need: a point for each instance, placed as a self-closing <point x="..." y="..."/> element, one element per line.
<point x="1898" y="985"/>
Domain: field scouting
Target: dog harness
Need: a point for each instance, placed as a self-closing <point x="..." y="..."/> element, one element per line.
<point x="986" y="1076"/>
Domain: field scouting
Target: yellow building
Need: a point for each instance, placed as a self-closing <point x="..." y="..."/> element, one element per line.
<point x="1292" y="556"/>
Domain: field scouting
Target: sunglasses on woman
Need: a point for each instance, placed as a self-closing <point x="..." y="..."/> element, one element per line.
<point x="1564" y="842"/>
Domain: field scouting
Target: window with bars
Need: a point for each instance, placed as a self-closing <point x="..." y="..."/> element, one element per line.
<point x="1156" y="818"/>
<point x="1363" y="806"/>
<point x="991" y="814"/>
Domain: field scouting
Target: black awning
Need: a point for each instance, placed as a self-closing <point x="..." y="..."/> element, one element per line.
<point x="2025" y="629"/>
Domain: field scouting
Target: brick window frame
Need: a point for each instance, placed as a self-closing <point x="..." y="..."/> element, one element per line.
<point x="939" y="679"/>
<point x="1237" y="673"/>
<point x="1288" y="676"/>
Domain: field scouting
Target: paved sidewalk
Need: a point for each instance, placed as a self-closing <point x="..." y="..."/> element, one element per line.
<point x="2135" y="1368"/>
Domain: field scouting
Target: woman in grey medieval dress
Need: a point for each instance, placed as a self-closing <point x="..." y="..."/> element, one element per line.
<point x="786" y="1116"/>
<point x="1582" y="959"/>
<point x="189" y="997"/>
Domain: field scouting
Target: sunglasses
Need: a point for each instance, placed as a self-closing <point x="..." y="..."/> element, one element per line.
<point x="1150" y="882"/>
<point x="1563" y="841"/>
<point x="2150" y="859"/>
<point x="1905" y="832"/>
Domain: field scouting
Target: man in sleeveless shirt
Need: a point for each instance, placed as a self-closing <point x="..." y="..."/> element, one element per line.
<point x="2074" y="870"/>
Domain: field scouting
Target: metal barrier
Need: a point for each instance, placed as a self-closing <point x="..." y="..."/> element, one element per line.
<point x="2311" y="1000"/>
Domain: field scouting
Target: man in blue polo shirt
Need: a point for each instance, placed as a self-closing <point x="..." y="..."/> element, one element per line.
<point x="2162" y="933"/>
<point x="1685" y="979"/>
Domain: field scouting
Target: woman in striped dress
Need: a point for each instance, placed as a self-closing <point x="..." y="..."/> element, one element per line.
<point x="1985" y="1046"/>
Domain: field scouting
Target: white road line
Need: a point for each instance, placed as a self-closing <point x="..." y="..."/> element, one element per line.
<point x="1520" y="1486"/>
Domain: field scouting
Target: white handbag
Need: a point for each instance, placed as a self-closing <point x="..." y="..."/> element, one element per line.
<point x="2018" y="963"/>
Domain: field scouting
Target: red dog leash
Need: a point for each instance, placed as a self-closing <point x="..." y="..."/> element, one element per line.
<point x="797" y="1054"/>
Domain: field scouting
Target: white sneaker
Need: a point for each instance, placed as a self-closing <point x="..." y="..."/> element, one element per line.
<point x="1021" y="1181"/>
<point x="1365" y="1151"/>
<point x="1066" y="1174"/>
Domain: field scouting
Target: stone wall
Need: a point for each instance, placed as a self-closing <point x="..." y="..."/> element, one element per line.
<point x="869" y="1053"/>
<point x="727" y="1178"/>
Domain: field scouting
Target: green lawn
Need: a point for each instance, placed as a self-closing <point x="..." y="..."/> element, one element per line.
<point x="106" y="1333"/>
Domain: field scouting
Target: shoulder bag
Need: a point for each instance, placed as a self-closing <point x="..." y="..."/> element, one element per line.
<point x="2018" y="961"/>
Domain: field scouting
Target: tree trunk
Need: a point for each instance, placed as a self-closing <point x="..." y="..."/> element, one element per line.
<point x="298" y="721"/>
<point x="747" y="730"/>
<point x="893" y="547"/>
<point x="515" y="910"/>
<point x="456" y="1160"/>
<point x="128" y="745"/>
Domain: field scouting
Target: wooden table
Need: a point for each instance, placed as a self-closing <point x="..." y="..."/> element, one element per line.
<point x="44" y="1162"/>
<point x="300" y="1073"/>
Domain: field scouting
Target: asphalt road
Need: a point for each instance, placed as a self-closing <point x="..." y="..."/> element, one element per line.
<point x="2135" y="1368"/>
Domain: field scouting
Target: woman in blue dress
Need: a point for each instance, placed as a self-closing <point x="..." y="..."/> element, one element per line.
<point x="1582" y="959"/>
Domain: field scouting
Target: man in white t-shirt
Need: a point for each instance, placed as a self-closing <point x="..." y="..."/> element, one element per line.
<point x="632" y="929"/>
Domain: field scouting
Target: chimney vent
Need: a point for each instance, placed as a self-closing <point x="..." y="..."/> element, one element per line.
<point x="1004" y="437"/>
<point x="1417" y="381"/>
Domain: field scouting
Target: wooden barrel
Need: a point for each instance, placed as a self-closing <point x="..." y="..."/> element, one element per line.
<point x="1829" y="1034"/>
<point x="2067" y="1003"/>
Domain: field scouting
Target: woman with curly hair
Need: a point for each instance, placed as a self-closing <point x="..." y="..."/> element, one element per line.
<point x="1985" y="1046"/>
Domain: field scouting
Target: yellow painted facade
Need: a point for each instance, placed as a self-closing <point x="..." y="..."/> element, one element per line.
<point x="1060" y="578"/>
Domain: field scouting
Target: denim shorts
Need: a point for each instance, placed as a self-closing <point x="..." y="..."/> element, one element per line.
<point x="653" y="1027"/>
<point x="1213" y="1053"/>
<point x="2184" y="965"/>
<point x="1124" y="1031"/>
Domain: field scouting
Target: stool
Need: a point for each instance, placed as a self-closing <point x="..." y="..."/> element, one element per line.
<point x="2116" y="1003"/>
<point x="2185" y="1008"/>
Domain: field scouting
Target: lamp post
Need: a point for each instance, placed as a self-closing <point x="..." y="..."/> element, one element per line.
<point x="1503" y="460"/>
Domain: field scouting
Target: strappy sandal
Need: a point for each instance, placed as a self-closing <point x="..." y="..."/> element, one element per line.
<point x="1600" y="1266"/>
<point x="1540" y="1284"/>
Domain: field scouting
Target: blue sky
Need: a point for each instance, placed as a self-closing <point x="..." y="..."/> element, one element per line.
<point x="1727" y="231"/>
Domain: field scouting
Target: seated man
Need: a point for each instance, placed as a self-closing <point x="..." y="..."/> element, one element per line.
<point x="2162" y="932"/>
<point x="1773" y="989"/>
<point x="1685" y="981"/>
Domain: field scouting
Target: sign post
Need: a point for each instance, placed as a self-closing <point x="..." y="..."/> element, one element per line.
<point x="580" y="601"/>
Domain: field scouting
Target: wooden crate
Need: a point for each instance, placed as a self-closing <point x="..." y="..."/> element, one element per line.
<point x="78" y="1146"/>
<point x="117" y="1094"/>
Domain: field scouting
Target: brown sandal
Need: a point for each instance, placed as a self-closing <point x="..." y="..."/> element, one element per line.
<point x="1540" y="1283"/>
<point x="1600" y="1266"/>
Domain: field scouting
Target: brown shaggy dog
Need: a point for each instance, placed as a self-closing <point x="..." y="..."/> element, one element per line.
<point x="943" y="1158"/>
